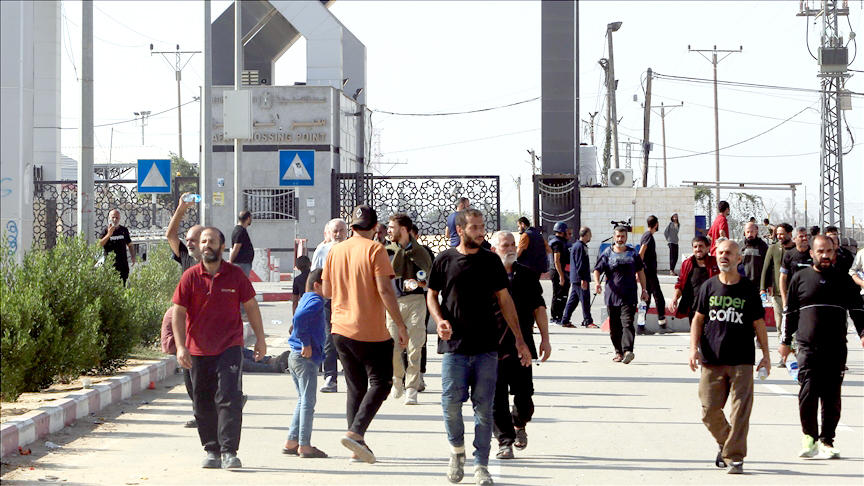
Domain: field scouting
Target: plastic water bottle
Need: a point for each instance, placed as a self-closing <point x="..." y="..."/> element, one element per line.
<point x="421" y="275"/>
<point x="410" y="285"/>
<point x="763" y="373"/>
<point x="793" y="370"/>
<point x="192" y="198"/>
<point x="643" y="310"/>
<point x="764" y="300"/>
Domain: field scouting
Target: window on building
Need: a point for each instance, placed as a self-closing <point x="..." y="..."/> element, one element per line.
<point x="271" y="204"/>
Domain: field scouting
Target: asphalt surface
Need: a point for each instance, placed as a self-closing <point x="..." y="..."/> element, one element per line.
<point x="596" y="422"/>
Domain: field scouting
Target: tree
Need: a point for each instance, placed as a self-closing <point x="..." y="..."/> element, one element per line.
<point x="180" y="167"/>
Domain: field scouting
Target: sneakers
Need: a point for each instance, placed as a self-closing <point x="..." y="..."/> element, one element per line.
<point x="628" y="357"/>
<point x="230" y="461"/>
<point x="828" y="451"/>
<point x="736" y="467"/>
<point x="422" y="386"/>
<point x="505" y="452"/>
<point x="662" y="323"/>
<point x="329" y="386"/>
<point x="411" y="397"/>
<point x="398" y="388"/>
<point x="591" y="325"/>
<point x="808" y="447"/>
<point x="456" y="467"/>
<point x="482" y="476"/>
<point x="640" y="330"/>
<point x="359" y="448"/>
<point x="568" y="325"/>
<point x="212" y="461"/>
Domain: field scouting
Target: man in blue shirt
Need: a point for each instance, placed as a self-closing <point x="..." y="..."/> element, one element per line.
<point x="580" y="277"/>
<point x="450" y="230"/>
<point x="621" y="265"/>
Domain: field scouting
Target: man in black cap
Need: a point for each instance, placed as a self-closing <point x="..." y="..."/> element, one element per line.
<point x="558" y="274"/>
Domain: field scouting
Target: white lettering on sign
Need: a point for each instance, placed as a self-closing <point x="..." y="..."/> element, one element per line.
<point x="280" y="137"/>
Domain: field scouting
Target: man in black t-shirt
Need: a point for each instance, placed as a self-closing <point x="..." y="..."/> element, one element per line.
<point x="470" y="280"/>
<point x="560" y="279"/>
<point x="728" y="315"/>
<point x="797" y="258"/>
<point x="512" y="376"/>
<point x="242" y="252"/>
<point x="298" y="286"/>
<point x="648" y="253"/>
<point x="843" y="258"/>
<point x="115" y="239"/>
<point x="817" y="303"/>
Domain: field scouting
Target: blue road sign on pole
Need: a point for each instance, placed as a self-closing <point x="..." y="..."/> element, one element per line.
<point x="296" y="167"/>
<point x="154" y="176"/>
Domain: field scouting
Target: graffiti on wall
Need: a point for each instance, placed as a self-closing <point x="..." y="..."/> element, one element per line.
<point x="12" y="237"/>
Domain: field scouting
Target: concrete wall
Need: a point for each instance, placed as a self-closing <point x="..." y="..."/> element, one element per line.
<point x="278" y="110"/>
<point x="600" y="205"/>
<point x="30" y="97"/>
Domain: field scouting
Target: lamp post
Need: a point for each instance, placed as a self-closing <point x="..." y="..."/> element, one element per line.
<point x="610" y="89"/>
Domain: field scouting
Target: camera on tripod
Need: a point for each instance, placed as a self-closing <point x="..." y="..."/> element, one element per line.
<point x="626" y="224"/>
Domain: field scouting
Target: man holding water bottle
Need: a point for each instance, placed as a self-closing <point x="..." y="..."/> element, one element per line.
<point x="728" y="314"/>
<point x="621" y="265"/>
<point x="410" y="262"/>
<point x="816" y="305"/>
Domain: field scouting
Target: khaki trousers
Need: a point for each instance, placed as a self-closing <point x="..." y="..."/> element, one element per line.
<point x="777" y="302"/>
<point x="717" y="384"/>
<point x="413" y="310"/>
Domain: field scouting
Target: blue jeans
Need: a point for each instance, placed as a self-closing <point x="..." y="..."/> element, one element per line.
<point x="305" y="374"/>
<point x="459" y="372"/>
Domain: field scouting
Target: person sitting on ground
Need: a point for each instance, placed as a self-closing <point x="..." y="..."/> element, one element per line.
<point x="307" y="352"/>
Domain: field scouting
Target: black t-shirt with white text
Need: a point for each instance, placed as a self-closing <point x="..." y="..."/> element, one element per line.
<point x="468" y="286"/>
<point x="117" y="244"/>
<point x="184" y="258"/>
<point x="730" y="311"/>
<point x="246" y="253"/>
<point x="650" y="258"/>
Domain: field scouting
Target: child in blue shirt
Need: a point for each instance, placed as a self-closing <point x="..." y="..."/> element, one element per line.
<point x="307" y="352"/>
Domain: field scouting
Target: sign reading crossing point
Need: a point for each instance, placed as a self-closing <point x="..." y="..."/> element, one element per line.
<point x="154" y="176"/>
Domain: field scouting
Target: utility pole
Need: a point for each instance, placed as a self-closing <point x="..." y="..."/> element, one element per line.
<point x="178" y="69"/>
<point x="591" y="125"/>
<point x="611" y="87"/>
<point x="833" y="71"/>
<point x="663" y="128"/>
<point x="204" y="169"/>
<point x="144" y="116"/>
<point x="86" y="185"/>
<point x="534" y="158"/>
<point x="714" y="61"/>
<point x="238" y="85"/>
<point x="646" y="125"/>
<point x="518" y="182"/>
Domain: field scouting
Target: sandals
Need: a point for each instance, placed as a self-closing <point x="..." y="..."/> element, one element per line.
<point x="315" y="454"/>
<point x="618" y="358"/>
<point x="290" y="452"/>
<point x="521" y="441"/>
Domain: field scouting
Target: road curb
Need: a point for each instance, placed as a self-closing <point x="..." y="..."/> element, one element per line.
<point x="48" y="419"/>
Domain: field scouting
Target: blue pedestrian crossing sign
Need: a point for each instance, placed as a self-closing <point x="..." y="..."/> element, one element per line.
<point x="296" y="167"/>
<point x="154" y="176"/>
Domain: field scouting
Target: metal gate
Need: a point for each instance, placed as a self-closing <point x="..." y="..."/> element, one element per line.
<point x="427" y="200"/>
<point x="55" y="207"/>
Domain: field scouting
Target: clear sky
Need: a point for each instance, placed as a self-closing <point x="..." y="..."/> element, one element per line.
<point x="453" y="56"/>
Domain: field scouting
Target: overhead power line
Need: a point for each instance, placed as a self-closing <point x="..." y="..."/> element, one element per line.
<point x="458" y="112"/>
<point x="744" y="85"/>
<point x="124" y="121"/>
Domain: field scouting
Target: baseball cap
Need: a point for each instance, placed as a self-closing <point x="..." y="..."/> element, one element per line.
<point x="364" y="217"/>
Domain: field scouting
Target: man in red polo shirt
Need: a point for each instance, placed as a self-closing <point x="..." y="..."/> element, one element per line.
<point x="720" y="227"/>
<point x="208" y="334"/>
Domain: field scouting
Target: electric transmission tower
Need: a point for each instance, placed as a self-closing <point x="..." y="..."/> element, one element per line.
<point x="833" y="59"/>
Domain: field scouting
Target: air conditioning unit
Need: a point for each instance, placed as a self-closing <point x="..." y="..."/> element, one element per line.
<point x="621" y="178"/>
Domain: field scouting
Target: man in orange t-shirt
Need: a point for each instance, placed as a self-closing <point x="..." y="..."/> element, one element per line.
<point x="357" y="278"/>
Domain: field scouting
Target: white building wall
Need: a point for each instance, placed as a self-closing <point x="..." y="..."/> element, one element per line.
<point x="46" y="83"/>
<point x="601" y="205"/>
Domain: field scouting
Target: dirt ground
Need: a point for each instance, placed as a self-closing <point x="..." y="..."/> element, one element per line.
<point x="31" y="401"/>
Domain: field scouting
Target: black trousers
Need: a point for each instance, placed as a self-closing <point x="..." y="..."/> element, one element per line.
<point x="218" y="399"/>
<point x="673" y="255"/>
<point x="517" y="380"/>
<point x="653" y="287"/>
<point x="559" y="295"/>
<point x="621" y="328"/>
<point x="187" y="380"/>
<point x="330" y="365"/>
<point x="368" y="371"/>
<point x="820" y="374"/>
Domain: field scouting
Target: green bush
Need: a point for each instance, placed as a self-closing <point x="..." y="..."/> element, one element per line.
<point x="150" y="289"/>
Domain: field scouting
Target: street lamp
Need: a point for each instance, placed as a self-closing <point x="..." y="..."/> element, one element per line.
<point x="610" y="89"/>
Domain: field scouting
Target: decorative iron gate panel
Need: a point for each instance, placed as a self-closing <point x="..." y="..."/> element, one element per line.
<point x="427" y="200"/>
<point x="55" y="208"/>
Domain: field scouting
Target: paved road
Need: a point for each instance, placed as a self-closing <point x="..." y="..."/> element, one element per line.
<point x="597" y="422"/>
